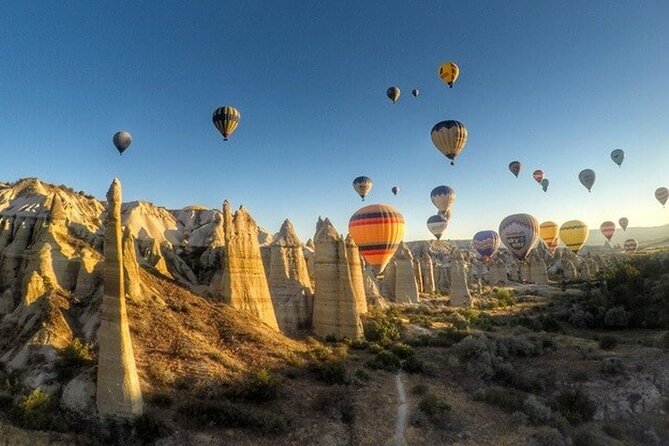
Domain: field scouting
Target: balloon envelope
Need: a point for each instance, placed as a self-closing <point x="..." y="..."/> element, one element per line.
<point x="514" y="167"/>
<point x="437" y="224"/>
<point x="574" y="234"/>
<point x="623" y="222"/>
<point x="538" y="175"/>
<point x="630" y="246"/>
<point x="608" y="228"/>
<point x="449" y="137"/>
<point x="377" y="230"/>
<point x="662" y="194"/>
<point x="618" y="156"/>
<point x="395" y="190"/>
<point x="122" y="141"/>
<point x="443" y="198"/>
<point x="548" y="231"/>
<point x="486" y="243"/>
<point x="226" y="119"/>
<point x="448" y="73"/>
<point x="362" y="186"/>
<point x="415" y="92"/>
<point x="544" y="184"/>
<point x="519" y="233"/>
<point x="587" y="178"/>
<point x="393" y="94"/>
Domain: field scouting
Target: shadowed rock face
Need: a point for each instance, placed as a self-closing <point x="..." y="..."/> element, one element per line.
<point x="538" y="273"/>
<point x="427" y="271"/>
<point x="244" y="283"/>
<point x="406" y="286"/>
<point x="338" y="289"/>
<point x="459" y="291"/>
<point x="130" y="266"/>
<point x="289" y="282"/>
<point x="118" y="391"/>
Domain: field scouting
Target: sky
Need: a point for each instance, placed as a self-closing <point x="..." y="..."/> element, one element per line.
<point x="555" y="85"/>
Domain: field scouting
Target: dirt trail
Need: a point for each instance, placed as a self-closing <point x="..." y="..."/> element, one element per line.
<point x="402" y="413"/>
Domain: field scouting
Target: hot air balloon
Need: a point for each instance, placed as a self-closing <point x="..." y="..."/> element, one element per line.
<point x="548" y="231"/>
<point x="574" y="234"/>
<point x="395" y="190"/>
<point x="608" y="228"/>
<point x="544" y="184"/>
<point x="122" y="141"/>
<point x="415" y="92"/>
<point x="446" y="215"/>
<point x="587" y="178"/>
<point x="514" y="167"/>
<point x="623" y="222"/>
<point x="437" y="224"/>
<point x="362" y="186"/>
<point x="449" y="72"/>
<point x="662" y="193"/>
<point x="449" y="137"/>
<point x="538" y="175"/>
<point x="443" y="198"/>
<point x="378" y="230"/>
<point x="618" y="156"/>
<point x="519" y="233"/>
<point x="226" y="119"/>
<point x="630" y="246"/>
<point x="393" y="94"/>
<point x="486" y="243"/>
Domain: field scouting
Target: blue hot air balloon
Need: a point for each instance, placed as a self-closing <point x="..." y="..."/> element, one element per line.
<point x="486" y="243"/>
<point x="443" y="198"/>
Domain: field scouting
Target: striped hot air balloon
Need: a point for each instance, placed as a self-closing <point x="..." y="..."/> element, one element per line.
<point x="393" y="94"/>
<point x="519" y="233"/>
<point x="608" y="228"/>
<point x="226" y="119"/>
<point x="630" y="246"/>
<point x="443" y="198"/>
<point x="449" y="137"/>
<point x="486" y="244"/>
<point x="548" y="231"/>
<point x="514" y="167"/>
<point x="377" y="229"/>
<point x="574" y="234"/>
<point x="538" y="175"/>
<point x="362" y="186"/>
<point x="437" y="224"/>
<point x="448" y="73"/>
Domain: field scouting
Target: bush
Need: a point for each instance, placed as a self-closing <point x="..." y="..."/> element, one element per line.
<point x="222" y="414"/>
<point x="337" y="403"/>
<point x="356" y="344"/>
<point x="148" y="428"/>
<point x="260" y="386"/>
<point x="402" y="351"/>
<point x="73" y="357"/>
<point x="536" y="410"/>
<point x="331" y="371"/>
<point x="585" y="437"/>
<point x="33" y="411"/>
<point x="546" y="436"/>
<point x="434" y="409"/>
<point x="612" y="366"/>
<point x="161" y="400"/>
<point x="385" y="360"/>
<point x="575" y="405"/>
<point x="616" y="317"/>
<point x="519" y="418"/>
<point x="383" y="328"/>
<point x="419" y="389"/>
<point x="608" y="342"/>
<point x="508" y="400"/>
<point x="613" y="429"/>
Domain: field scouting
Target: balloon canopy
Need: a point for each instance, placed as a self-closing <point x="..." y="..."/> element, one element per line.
<point x="377" y="229"/>
<point x="226" y="119"/>
<point x="574" y="234"/>
<point x="449" y="137"/>
<point x="519" y="233"/>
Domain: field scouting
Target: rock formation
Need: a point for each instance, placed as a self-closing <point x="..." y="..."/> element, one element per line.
<point x="417" y="272"/>
<point x="406" y="286"/>
<point x="524" y="268"/>
<point x="335" y="303"/>
<point x="584" y="271"/>
<point x="459" y="290"/>
<point x="427" y="270"/>
<point x="538" y="273"/>
<point x="289" y="282"/>
<point x="244" y="283"/>
<point x="130" y="266"/>
<point x="355" y="270"/>
<point x="118" y="391"/>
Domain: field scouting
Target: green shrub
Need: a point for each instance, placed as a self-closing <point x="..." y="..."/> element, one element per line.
<point x="224" y="414"/>
<point x="385" y="360"/>
<point x="613" y="429"/>
<point x="537" y="411"/>
<point x="608" y="342"/>
<point x="332" y="371"/>
<point x="546" y="436"/>
<point x="509" y="400"/>
<point x="383" y="328"/>
<point x="73" y="357"/>
<point x="260" y="386"/>
<point x="434" y="409"/>
<point x="585" y="437"/>
<point x="33" y="411"/>
<point x="419" y="389"/>
<point x="402" y="351"/>
<point x="356" y="344"/>
<point x="612" y="366"/>
<point x="574" y="404"/>
<point x="337" y="403"/>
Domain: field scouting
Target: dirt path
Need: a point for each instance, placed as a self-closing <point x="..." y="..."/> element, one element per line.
<point x="402" y="413"/>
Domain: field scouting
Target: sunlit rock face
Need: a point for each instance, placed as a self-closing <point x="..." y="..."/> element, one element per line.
<point x="406" y="286"/>
<point x="338" y="289"/>
<point x="289" y="282"/>
<point x="243" y="284"/>
<point x="118" y="392"/>
<point x="427" y="270"/>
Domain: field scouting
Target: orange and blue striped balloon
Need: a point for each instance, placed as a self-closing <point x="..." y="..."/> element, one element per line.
<point x="377" y="229"/>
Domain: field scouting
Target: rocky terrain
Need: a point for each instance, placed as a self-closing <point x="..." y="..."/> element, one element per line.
<point x="127" y="323"/>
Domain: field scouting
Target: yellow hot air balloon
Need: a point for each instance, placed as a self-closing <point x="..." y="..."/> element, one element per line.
<point x="449" y="72"/>
<point x="574" y="234"/>
<point x="377" y="229"/>
<point x="548" y="231"/>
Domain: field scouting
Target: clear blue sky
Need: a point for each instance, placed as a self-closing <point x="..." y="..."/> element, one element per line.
<point x="556" y="85"/>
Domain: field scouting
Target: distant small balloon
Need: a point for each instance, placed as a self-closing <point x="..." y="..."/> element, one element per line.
<point x="395" y="190"/>
<point x="362" y="186"/>
<point x="226" y="120"/>
<point x="623" y="222"/>
<point x="514" y="167"/>
<point x="449" y="73"/>
<point x="662" y="194"/>
<point x="587" y="178"/>
<point x="544" y="184"/>
<point x="630" y="246"/>
<point x="393" y="94"/>
<point x="415" y="92"/>
<point x="608" y="228"/>
<point x="538" y="175"/>
<point x="122" y="141"/>
<point x="618" y="156"/>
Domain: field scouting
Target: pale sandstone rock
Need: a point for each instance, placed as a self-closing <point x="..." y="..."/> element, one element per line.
<point x="427" y="270"/>
<point x="118" y="390"/>
<point x="406" y="286"/>
<point x="459" y="291"/>
<point x="538" y="272"/>
<point x="131" y="278"/>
